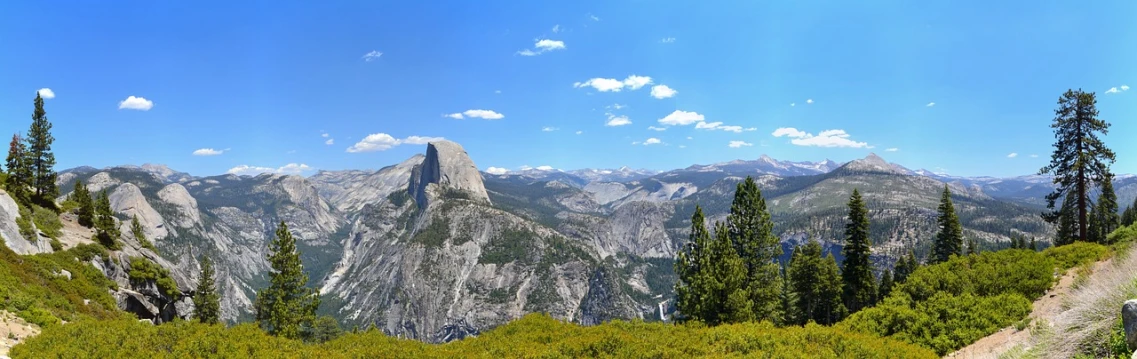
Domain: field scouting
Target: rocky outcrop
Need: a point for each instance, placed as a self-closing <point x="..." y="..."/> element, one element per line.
<point x="449" y="166"/>
<point x="144" y="298"/>
<point x="187" y="212"/>
<point x="127" y="199"/>
<point x="9" y="212"/>
<point x="605" y="299"/>
<point x="349" y="191"/>
<point x="1129" y="321"/>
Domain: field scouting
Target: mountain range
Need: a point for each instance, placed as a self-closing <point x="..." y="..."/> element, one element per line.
<point x="433" y="249"/>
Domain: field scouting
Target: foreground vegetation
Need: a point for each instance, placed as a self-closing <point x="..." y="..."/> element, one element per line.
<point x="533" y="336"/>
<point x="36" y="288"/>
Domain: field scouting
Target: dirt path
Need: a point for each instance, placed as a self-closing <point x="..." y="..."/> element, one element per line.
<point x="14" y="330"/>
<point x="1046" y="307"/>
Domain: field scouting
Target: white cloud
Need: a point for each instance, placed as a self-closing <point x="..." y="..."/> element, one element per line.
<point x="652" y="141"/>
<point x="614" y="120"/>
<point x="374" y="142"/>
<point x="653" y="128"/>
<point x="544" y="168"/>
<point x="291" y="168"/>
<point x="667" y="40"/>
<point x="324" y="135"/>
<point x="207" y="152"/>
<point x="579" y="132"/>
<point x="593" y="17"/>
<point x="420" y="140"/>
<point x="930" y="104"/>
<point x="894" y="149"/>
<point x="549" y="129"/>
<point x="690" y="138"/>
<point x="46" y="93"/>
<point x="543" y="46"/>
<point x="1033" y="156"/>
<point x="483" y="114"/>
<point x="809" y="101"/>
<point x="662" y="91"/>
<point x="497" y="171"/>
<point x="1121" y="89"/>
<point x="556" y="28"/>
<point x="681" y="118"/>
<point x="682" y="146"/>
<point x="524" y="168"/>
<point x="634" y="82"/>
<point x="136" y="103"/>
<point x="497" y="91"/>
<point x="707" y="125"/>
<point x="616" y="106"/>
<point x="792" y="104"/>
<point x="372" y="56"/>
<point x="827" y="138"/>
<point x="738" y="144"/>
<point x="1124" y="88"/>
<point x="1012" y="155"/>
<point x="330" y="141"/>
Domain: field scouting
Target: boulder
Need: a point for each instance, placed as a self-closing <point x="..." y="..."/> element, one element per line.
<point x="1129" y="320"/>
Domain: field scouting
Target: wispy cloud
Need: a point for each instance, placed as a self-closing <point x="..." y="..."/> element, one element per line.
<point x="930" y="104"/>
<point x="543" y="46"/>
<point x="1033" y="156"/>
<point x="738" y="144"/>
<point x="593" y="17"/>
<point x="681" y="118"/>
<point x="653" y="128"/>
<point x="291" y="169"/>
<point x="662" y="91"/>
<point x="827" y="138"/>
<point x="46" y="93"/>
<point x="549" y="129"/>
<point x="579" y="132"/>
<point x="1012" y="155"/>
<point x="136" y="103"/>
<point x="382" y="142"/>
<point x="556" y="28"/>
<point x="330" y="141"/>
<point x="894" y="149"/>
<point x="544" y="168"/>
<point x="808" y="101"/>
<point x="207" y="152"/>
<point x="614" y="120"/>
<point x="482" y="114"/>
<point x="1119" y="89"/>
<point x="652" y="141"/>
<point x="633" y="82"/>
<point x="667" y="40"/>
<point x="792" y="104"/>
<point x="497" y="171"/>
<point x="372" y="56"/>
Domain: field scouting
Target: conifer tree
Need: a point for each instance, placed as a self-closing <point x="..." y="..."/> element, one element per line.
<point x="949" y="241"/>
<point x="1130" y="214"/>
<point x="856" y="272"/>
<point x="86" y="210"/>
<point x="140" y="234"/>
<point x="729" y="281"/>
<point x="206" y="301"/>
<point x="106" y="229"/>
<point x="1106" y="210"/>
<point x="752" y="235"/>
<point x="1094" y="231"/>
<point x="19" y="174"/>
<point x="40" y="158"/>
<point x="690" y="289"/>
<point x="905" y="265"/>
<point x="972" y="247"/>
<point x="885" y="285"/>
<point x="287" y="304"/>
<point x="1079" y="161"/>
<point x="816" y="285"/>
<point x="1033" y="245"/>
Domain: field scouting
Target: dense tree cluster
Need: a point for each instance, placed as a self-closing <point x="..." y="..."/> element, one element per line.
<point x="30" y="163"/>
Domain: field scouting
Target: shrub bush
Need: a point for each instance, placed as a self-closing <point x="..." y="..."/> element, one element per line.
<point x="990" y="273"/>
<point x="1076" y="254"/>
<point x="142" y="269"/>
<point x="47" y="221"/>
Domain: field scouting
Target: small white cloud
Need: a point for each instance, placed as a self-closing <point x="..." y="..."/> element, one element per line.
<point x="543" y="46"/>
<point x="827" y="138"/>
<point x="792" y="104"/>
<point x="633" y="82"/>
<point x="682" y="146"/>
<point x="1124" y="88"/>
<point x="524" y="168"/>
<point x="291" y="168"/>
<point x="681" y="118"/>
<point x="738" y="144"/>
<point x="46" y="93"/>
<point x="707" y="125"/>
<point x="652" y="141"/>
<point x="1121" y="89"/>
<point x="636" y="82"/>
<point x="324" y="135"/>
<point x="497" y="171"/>
<point x="809" y="101"/>
<point x="549" y="129"/>
<point x="579" y="132"/>
<point x="894" y="149"/>
<point x="1033" y="156"/>
<point x="497" y="91"/>
<point x="690" y="138"/>
<point x="662" y="91"/>
<point x="528" y="52"/>
<point x="374" y="142"/>
<point x="372" y="56"/>
<point x="1012" y="155"/>
<point x="593" y="17"/>
<point x="653" y="128"/>
<point x="544" y="168"/>
<point x="207" y="152"/>
<point x="930" y="104"/>
<point x="420" y="140"/>
<point x="482" y="114"/>
<point x="616" y="106"/>
<point x="330" y="141"/>
<point x="667" y="40"/>
<point x="749" y="129"/>
<point x="556" y="28"/>
<point x="614" y="120"/>
<point x="136" y="103"/>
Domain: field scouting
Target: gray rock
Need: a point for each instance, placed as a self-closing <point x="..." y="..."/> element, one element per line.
<point x="65" y="273"/>
<point x="448" y="165"/>
<point x="1129" y="320"/>
<point x="9" y="211"/>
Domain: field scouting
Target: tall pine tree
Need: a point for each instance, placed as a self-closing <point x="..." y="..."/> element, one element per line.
<point x="949" y="241"/>
<point x="856" y="272"/>
<point x="905" y="265"/>
<point x="40" y="158"/>
<point x="206" y="301"/>
<point x="106" y="229"/>
<point x="1080" y="159"/>
<point x="19" y="174"/>
<point x="287" y="304"/>
<point x="1106" y="216"/>
<point x="690" y="262"/>
<point x="816" y="285"/>
<point x="1130" y="214"/>
<point x="729" y="283"/>
<point x="752" y="235"/>
<point x="86" y="208"/>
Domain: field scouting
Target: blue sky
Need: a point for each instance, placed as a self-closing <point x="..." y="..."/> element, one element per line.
<point x="263" y="82"/>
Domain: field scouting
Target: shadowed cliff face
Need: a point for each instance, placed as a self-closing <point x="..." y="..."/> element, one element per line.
<point x="448" y="165"/>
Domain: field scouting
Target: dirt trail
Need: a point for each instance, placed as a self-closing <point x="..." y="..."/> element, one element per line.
<point x="1046" y="307"/>
<point x="14" y="330"/>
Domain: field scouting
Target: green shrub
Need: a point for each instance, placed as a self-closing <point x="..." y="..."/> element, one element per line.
<point x="27" y="230"/>
<point x="989" y="273"/>
<point x="68" y="205"/>
<point x="1076" y="254"/>
<point x="142" y="269"/>
<point x="435" y="234"/>
<point x="47" y="221"/>
<point x="31" y="287"/>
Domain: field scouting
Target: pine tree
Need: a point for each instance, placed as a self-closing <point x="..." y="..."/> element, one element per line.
<point x="1067" y="230"/>
<point x="1094" y="231"/>
<point x="752" y="235"/>
<point x="972" y="247"/>
<point x="19" y="174"/>
<point x="690" y="290"/>
<point x="1107" y="218"/>
<point x="40" y="158"/>
<point x="287" y="304"/>
<point x="1033" y="245"/>
<point x="949" y="241"/>
<point x="904" y="267"/>
<point x="206" y="301"/>
<point x="140" y="234"/>
<point x="856" y="272"/>
<point x="86" y="210"/>
<point x="1080" y="160"/>
<point x="1129" y="216"/>
<point x="106" y="229"/>
<point x="885" y="285"/>
<point x="815" y="283"/>
<point x="728" y="270"/>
